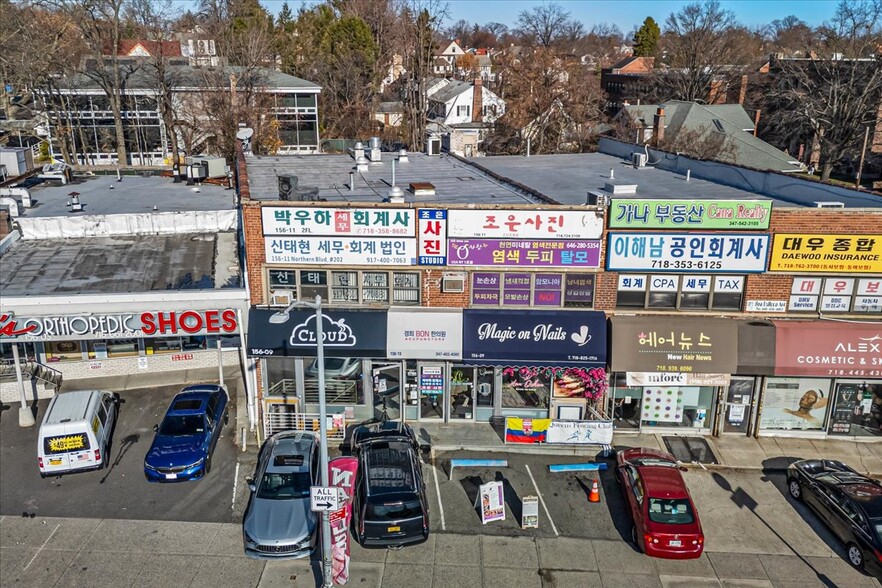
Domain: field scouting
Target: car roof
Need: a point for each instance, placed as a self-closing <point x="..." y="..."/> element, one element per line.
<point x="384" y="430"/>
<point x="188" y="399"/>
<point x="638" y="452"/>
<point x="662" y="482"/>
<point x="291" y="443"/>
<point x="70" y="406"/>
<point x="388" y="468"/>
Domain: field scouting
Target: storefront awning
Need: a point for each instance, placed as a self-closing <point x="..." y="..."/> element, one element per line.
<point x="828" y="348"/>
<point x="756" y="348"/>
<point x="676" y="344"/>
<point x="347" y="333"/>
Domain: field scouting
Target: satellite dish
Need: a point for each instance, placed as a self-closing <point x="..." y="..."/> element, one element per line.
<point x="244" y="134"/>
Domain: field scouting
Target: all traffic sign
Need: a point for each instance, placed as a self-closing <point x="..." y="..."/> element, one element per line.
<point x="323" y="498"/>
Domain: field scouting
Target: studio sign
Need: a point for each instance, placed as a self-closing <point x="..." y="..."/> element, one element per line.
<point x="336" y="333"/>
<point x="541" y="332"/>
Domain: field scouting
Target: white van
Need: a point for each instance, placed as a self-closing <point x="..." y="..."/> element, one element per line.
<point x="75" y="434"/>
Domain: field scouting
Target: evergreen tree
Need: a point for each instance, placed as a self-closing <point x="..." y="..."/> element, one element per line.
<point x="646" y="38"/>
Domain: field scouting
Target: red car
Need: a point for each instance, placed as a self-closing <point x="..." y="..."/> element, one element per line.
<point x="665" y="520"/>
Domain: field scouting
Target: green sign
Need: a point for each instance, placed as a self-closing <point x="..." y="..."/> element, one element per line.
<point x="689" y="214"/>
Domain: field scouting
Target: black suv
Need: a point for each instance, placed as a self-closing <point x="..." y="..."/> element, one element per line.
<point x="390" y="496"/>
<point x="848" y="502"/>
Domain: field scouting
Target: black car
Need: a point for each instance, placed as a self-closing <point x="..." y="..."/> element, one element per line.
<point x="848" y="502"/>
<point x="389" y="506"/>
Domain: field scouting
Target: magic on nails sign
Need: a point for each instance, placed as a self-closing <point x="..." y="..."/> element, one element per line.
<point x="534" y="337"/>
<point x="346" y="333"/>
<point x="685" y="214"/>
<point x="828" y="348"/>
<point x="681" y="345"/>
<point x="826" y="253"/>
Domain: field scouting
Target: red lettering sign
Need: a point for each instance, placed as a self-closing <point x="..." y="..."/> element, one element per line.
<point x="189" y="321"/>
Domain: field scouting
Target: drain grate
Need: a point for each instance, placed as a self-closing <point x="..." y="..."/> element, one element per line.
<point x="690" y="449"/>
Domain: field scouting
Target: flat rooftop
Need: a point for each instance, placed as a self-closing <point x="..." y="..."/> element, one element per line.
<point x="455" y="181"/>
<point x="102" y="195"/>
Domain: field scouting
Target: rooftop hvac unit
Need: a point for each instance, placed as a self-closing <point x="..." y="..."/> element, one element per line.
<point x="290" y="190"/>
<point x="453" y="284"/>
<point x="282" y="297"/>
<point x="639" y="159"/>
<point x="830" y="204"/>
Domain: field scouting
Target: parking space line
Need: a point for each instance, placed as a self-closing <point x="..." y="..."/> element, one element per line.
<point x="542" y="501"/>
<point x="49" y="538"/>
<point x="235" y="485"/>
<point x="438" y="491"/>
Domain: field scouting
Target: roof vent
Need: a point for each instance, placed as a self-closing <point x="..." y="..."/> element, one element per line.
<point x="396" y="195"/>
<point x="402" y="156"/>
<point x="616" y="188"/>
<point x="361" y="164"/>
<point x="830" y="204"/>
<point x="422" y="188"/>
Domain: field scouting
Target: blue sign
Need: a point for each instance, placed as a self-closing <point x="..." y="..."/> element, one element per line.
<point x="346" y="333"/>
<point x="558" y="338"/>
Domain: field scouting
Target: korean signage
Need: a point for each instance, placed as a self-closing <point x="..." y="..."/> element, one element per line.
<point x="346" y="333"/>
<point x="857" y="295"/>
<point x="414" y="334"/>
<point x="524" y="224"/>
<point x="584" y="254"/>
<point x="826" y="253"/>
<point x="689" y="214"/>
<point x="671" y="252"/>
<point x="674" y="344"/>
<point x="365" y="222"/>
<point x="526" y="289"/>
<point x="347" y="251"/>
<point x="534" y="337"/>
<point x="432" y="380"/>
<point x="432" y="245"/>
<point x="121" y="325"/>
<point x="823" y="348"/>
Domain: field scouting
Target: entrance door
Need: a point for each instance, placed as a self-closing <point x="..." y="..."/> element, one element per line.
<point x="462" y="393"/>
<point x="387" y="390"/>
<point x="737" y="407"/>
<point x="431" y="383"/>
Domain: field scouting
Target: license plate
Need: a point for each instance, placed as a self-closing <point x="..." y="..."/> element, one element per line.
<point x="393" y="529"/>
<point x="676" y="543"/>
<point x="54" y="462"/>
<point x="171" y="476"/>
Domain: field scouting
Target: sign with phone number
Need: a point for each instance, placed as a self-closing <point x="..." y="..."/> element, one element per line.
<point x="683" y="252"/>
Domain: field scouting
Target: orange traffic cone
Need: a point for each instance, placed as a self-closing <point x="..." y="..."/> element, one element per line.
<point x="595" y="493"/>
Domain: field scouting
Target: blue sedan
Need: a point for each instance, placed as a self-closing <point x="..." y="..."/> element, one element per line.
<point x="184" y="441"/>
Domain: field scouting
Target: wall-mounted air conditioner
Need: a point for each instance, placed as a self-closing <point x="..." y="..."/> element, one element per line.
<point x="830" y="204"/>
<point x="639" y="159"/>
<point x="281" y="297"/>
<point x="453" y="283"/>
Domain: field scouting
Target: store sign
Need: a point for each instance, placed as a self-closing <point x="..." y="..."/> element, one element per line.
<point x="826" y="253"/>
<point x="346" y="333"/>
<point x="190" y="322"/>
<point x="795" y="403"/>
<point x="823" y="348"/>
<point x="432" y="245"/>
<point x="414" y="334"/>
<point x="366" y="222"/>
<point x="582" y="254"/>
<point x="534" y="337"/>
<point x="635" y="379"/>
<point x="490" y="501"/>
<point x="342" y="472"/>
<point x="674" y="344"/>
<point x="689" y="214"/>
<point x="580" y="432"/>
<point x="670" y="252"/>
<point x="766" y="306"/>
<point x="432" y="380"/>
<point x="524" y="224"/>
<point x="347" y="251"/>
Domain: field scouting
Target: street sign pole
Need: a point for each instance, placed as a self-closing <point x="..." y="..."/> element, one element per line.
<point x="323" y="433"/>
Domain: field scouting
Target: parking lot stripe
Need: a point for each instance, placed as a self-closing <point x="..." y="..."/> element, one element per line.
<point x="438" y="491"/>
<point x="41" y="547"/>
<point x="235" y="485"/>
<point x="542" y="500"/>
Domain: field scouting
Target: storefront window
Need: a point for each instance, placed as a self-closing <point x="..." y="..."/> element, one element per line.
<point x="857" y="409"/>
<point x="484" y="396"/>
<point x="795" y="403"/>
<point x="63" y="351"/>
<point x="174" y="344"/>
<point x="399" y="288"/>
<point x="677" y="406"/>
<point x="626" y="404"/>
<point x="343" y="381"/>
<point x="525" y="388"/>
<point x="680" y="292"/>
<point x="537" y="290"/>
<point x="111" y="348"/>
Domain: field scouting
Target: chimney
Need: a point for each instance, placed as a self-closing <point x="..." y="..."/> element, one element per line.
<point x="658" y="127"/>
<point x="756" y="117"/>
<point x="478" y="101"/>
<point x="742" y="91"/>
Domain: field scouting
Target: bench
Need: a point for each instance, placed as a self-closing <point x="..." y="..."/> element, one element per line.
<point x="476" y="463"/>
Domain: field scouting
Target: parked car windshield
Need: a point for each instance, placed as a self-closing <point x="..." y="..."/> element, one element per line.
<point x="275" y="486"/>
<point x="667" y="511"/>
<point x="179" y="425"/>
<point x="394" y="511"/>
<point x="653" y="461"/>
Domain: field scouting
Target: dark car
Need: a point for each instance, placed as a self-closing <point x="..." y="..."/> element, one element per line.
<point x="666" y="523"/>
<point x="848" y="502"/>
<point x="389" y="508"/>
<point x="184" y="441"/>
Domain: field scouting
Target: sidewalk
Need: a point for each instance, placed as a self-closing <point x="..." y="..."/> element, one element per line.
<point x="771" y="453"/>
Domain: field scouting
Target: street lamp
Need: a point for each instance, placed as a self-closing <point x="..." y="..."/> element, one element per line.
<point x="282" y="317"/>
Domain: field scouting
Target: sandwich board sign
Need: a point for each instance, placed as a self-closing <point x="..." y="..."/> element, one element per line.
<point x="530" y="512"/>
<point x="490" y="501"/>
<point x="323" y="498"/>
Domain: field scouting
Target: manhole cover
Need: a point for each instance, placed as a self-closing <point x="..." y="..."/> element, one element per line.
<point x="690" y="449"/>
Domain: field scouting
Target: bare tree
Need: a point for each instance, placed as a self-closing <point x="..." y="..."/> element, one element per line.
<point x="419" y="21"/>
<point x="546" y="24"/>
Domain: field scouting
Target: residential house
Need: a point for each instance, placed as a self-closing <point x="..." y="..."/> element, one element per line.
<point x="389" y="114"/>
<point x="454" y="102"/>
<point x="395" y="71"/>
<point x="625" y="82"/>
<point x="445" y="58"/>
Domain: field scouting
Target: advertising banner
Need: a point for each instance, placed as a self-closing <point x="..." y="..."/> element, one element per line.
<point x="432" y="246"/>
<point x="671" y="252"/>
<point x="689" y="214"/>
<point x="795" y="403"/>
<point x="583" y="254"/>
<point x="346" y="333"/>
<point x="491" y="501"/>
<point x="580" y="432"/>
<point x="826" y="348"/>
<point x="342" y="471"/>
<point x="347" y="251"/>
<point x="793" y="252"/>
<point x="367" y="222"/>
<point x="524" y="224"/>
<point x="518" y="430"/>
<point x="635" y="379"/>
<point x="674" y="344"/>
<point x="534" y="337"/>
<point x="416" y="334"/>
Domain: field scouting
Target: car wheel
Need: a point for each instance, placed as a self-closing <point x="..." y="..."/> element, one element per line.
<point x="634" y="538"/>
<point x="795" y="489"/>
<point x="855" y="555"/>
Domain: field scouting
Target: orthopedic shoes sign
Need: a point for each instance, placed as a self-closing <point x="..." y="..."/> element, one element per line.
<point x="345" y="333"/>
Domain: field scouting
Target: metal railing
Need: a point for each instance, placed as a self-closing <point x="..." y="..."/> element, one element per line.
<point x="336" y="392"/>
<point x="33" y="369"/>
<point x="283" y="417"/>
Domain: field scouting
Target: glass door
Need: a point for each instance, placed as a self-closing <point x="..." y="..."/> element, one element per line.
<point x="431" y="386"/>
<point x="737" y="407"/>
<point x="387" y="390"/>
<point x="462" y="393"/>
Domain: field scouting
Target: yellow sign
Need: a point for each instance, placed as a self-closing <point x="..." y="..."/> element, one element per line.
<point x="69" y="443"/>
<point x="95" y="425"/>
<point x="792" y="252"/>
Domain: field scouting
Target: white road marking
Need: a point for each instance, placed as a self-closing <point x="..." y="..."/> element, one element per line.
<point x="235" y="484"/>
<point x="542" y="500"/>
<point x="41" y="547"/>
<point x="438" y="491"/>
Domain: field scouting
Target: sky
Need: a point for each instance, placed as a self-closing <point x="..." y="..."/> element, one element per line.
<point x="626" y="14"/>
